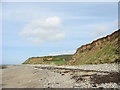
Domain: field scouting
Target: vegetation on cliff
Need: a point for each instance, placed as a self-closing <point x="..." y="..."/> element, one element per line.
<point x="103" y="50"/>
<point x="58" y="59"/>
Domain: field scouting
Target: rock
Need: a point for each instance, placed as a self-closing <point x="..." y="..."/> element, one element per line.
<point x="62" y="74"/>
<point x="49" y="83"/>
<point x="101" y="88"/>
<point x="94" y="85"/>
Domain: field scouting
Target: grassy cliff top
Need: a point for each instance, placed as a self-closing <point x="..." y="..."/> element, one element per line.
<point x="58" y="59"/>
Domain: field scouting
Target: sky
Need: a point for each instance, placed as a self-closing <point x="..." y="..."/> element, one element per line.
<point x="32" y="29"/>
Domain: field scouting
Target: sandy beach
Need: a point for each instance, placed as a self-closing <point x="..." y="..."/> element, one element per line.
<point x="50" y="76"/>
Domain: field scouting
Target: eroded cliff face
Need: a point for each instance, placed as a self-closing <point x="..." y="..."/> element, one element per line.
<point x="33" y="60"/>
<point x="102" y="50"/>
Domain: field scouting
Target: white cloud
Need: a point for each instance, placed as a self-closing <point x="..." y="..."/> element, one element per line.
<point x="63" y="52"/>
<point x="80" y="17"/>
<point x="99" y="30"/>
<point x="22" y="14"/>
<point x="44" y="30"/>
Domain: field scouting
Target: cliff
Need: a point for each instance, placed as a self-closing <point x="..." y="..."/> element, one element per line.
<point x="103" y="50"/>
<point x="58" y="59"/>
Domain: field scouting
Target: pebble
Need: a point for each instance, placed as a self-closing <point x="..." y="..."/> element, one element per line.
<point x="87" y="83"/>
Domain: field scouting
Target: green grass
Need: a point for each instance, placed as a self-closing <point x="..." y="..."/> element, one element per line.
<point x="56" y="62"/>
<point x="59" y="57"/>
<point x="45" y="60"/>
<point x="98" y="56"/>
